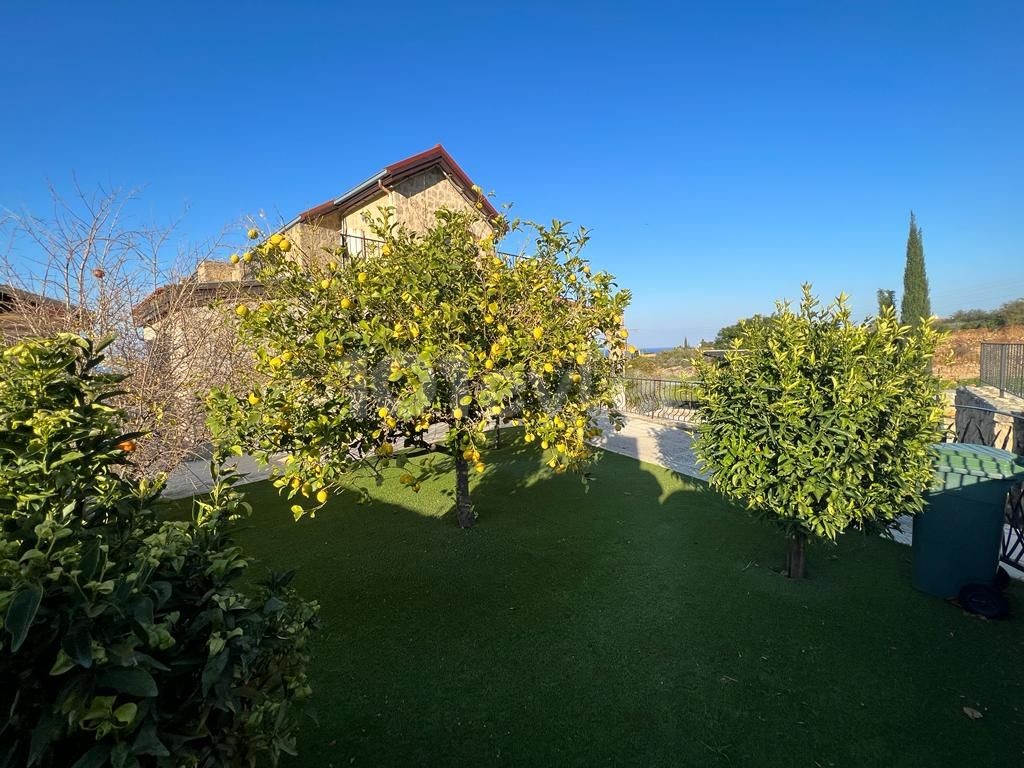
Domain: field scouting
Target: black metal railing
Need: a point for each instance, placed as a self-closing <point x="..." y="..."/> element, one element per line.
<point x="1002" y="366"/>
<point x="661" y="398"/>
<point x="357" y="246"/>
<point x="999" y="429"/>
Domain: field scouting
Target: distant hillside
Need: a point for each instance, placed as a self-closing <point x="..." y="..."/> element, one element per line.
<point x="674" y="363"/>
<point x="959" y="357"/>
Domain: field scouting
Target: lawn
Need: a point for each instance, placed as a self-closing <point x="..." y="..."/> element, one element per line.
<point x="640" y="623"/>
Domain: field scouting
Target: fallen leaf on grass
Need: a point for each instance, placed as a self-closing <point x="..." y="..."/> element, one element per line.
<point x="972" y="713"/>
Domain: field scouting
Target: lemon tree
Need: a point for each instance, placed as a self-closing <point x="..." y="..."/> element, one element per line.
<point x="435" y="338"/>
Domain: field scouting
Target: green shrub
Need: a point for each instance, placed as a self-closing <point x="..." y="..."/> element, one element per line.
<point x="125" y="640"/>
<point x="821" y="424"/>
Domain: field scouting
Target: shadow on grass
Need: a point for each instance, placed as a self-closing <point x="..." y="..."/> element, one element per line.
<point x="630" y="622"/>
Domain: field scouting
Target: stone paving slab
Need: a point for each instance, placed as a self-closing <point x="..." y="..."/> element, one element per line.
<point x="656" y="442"/>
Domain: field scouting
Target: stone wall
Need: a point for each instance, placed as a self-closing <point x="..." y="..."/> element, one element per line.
<point x="417" y="198"/>
<point x="976" y="422"/>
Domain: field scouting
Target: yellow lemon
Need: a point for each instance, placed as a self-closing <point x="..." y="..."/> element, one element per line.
<point x="488" y="319"/>
<point x="248" y="257"/>
<point x="287" y="356"/>
<point x="322" y="496"/>
<point x="457" y="414"/>
<point x="383" y="412"/>
<point x="623" y="333"/>
<point x="549" y="368"/>
<point x="346" y="303"/>
<point x="285" y="245"/>
<point x="253" y="399"/>
<point x="581" y="359"/>
<point x="241" y="310"/>
<point x="234" y="258"/>
<point x="538" y="333"/>
<point x="544" y="444"/>
<point x="275" y="239"/>
<point x="276" y="362"/>
<point x="386" y="249"/>
<point x="253" y="233"/>
<point x="586" y="269"/>
<point x="361" y="277"/>
<point x="489" y="364"/>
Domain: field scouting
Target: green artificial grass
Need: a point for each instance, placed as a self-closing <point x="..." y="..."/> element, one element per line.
<point x="641" y="623"/>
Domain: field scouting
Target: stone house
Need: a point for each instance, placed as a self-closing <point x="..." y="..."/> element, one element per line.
<point x="24" y="313"/>
<point x="411" y="190"/>
<point x="183" y="322"/>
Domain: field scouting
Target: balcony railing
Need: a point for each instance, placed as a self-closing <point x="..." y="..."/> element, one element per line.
<point x="357" y="246"/>
<point x="661" y="399"/>
<point x="1002" y="366"/>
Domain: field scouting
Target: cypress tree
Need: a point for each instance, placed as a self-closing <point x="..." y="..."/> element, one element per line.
<point x="916" y="304"/>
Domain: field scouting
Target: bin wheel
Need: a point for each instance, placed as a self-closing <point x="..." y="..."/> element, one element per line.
<point x="983" y="600"/>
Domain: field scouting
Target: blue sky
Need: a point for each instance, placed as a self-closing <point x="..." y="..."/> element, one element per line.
<point x="722" y="153"/>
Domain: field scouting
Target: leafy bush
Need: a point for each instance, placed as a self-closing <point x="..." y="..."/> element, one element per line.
<point x="124" y="639"/>
<point x="821" y="424"/>
<point x="727" y="335"/>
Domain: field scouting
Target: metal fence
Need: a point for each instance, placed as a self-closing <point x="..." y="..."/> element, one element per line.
<point x="661" y="398"/>
<point x="357" y="246"/>
<point x="1002" y="366"/>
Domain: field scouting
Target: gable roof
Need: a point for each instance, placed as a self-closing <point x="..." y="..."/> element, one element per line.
<point x="12" y="298"/>
<point x="391" y="175"/>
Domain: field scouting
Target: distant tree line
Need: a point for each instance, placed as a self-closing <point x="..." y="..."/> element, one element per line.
<point x="1010" y="313"/>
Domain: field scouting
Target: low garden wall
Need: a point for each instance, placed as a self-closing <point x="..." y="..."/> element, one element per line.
<point x="976" y="423"/>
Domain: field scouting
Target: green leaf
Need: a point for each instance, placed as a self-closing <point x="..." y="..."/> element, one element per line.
<point x="90" y="561"/>
<point x="42" y="736"/>
<point x="214" y="669"/>
<point x="77" y="644"/>
<point x="22" y="612"/>
<point x="94" y="758"/>
<point x="148" y="743"/>
<point x="129" y="680"/>
<point x="126" y="712"/>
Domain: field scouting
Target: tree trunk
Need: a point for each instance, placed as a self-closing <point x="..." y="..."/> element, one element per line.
<point x="497" y="432"/>
<point x="795" y="559"/>
<point x="463" y="504"/>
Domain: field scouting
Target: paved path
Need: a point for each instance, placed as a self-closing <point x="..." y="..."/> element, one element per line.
<point x="656" y="442"/>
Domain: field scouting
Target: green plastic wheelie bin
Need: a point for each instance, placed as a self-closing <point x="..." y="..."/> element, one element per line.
<point x="957" y="537"/>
